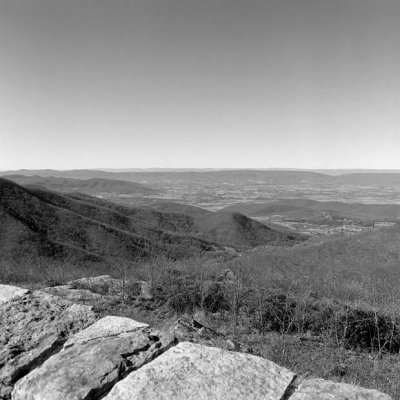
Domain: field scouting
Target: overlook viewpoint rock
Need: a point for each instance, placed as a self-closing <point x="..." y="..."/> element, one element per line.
<point x="54" y="349"/>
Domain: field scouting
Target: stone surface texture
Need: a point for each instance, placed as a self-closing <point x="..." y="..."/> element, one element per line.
<point x="8" y="293"/>
<point x="92" y="364"/>
<point x="106" y="327"/>
<point x="319" y="389"/>
<point x="191" y="371"/>
<point x="32" y="328"/>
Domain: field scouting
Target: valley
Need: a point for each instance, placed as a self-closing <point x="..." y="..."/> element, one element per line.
<point x="217" y="190"/>
<point x="214" y="196"/>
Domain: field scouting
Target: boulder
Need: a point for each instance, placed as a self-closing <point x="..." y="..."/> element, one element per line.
<point x="32" y="328"/>
<point x="192" y="371"/>
<point x="90" y="364"/>
<point x="8" y="293"/>
<point x="319" y="389"/>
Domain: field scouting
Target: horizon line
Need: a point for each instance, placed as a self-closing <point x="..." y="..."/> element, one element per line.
<point x="183" y="169"/>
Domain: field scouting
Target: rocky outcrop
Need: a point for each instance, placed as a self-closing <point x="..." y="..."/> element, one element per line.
<point x="191" y="371"/>
<point x="92" y="362"/>
<point x="101" y="289"/>
<point x="32" y="328"/>
<point x="52" y="349"/>
<point x="8" y="293"/>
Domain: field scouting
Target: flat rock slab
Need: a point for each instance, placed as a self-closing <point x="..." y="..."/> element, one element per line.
<point x="106" y="327"/>
<point x="88" y="369"/>
<point x="196" y="372"/>
<point x="32" y="328"/>
<point x="319" y="389"/>
<point x="8" y="293"/>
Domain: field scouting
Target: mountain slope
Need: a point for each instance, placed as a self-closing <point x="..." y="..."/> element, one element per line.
<point x="231" y="229"/>
<point x="50" y="224"/>
<point x="46" y="223"/>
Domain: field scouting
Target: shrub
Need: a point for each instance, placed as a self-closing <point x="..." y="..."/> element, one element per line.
<point x="368" y="329"/>
<point x="353" y="326"/>
<point x="278" y="313"/>
<point x="181" y="293"/>
<point x="315" y="316"/>
<point x="216" y="298"/>
<point x="186" y="292"/>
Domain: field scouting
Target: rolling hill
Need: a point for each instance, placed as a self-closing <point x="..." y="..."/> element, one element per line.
<point x="237" y="230"/>
<point x="87" y="186"/>
<point x="232" y="228"/>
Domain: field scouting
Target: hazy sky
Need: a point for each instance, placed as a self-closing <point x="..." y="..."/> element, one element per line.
<point x="199" y="83"/>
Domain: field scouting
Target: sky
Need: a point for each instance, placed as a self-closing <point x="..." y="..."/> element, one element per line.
<point x="199" y="83"/>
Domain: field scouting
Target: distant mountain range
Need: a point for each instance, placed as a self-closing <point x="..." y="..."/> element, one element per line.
<point x="335" y="172"/>
<point x="40" y="222"/>
<point x="288" y="177"/>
